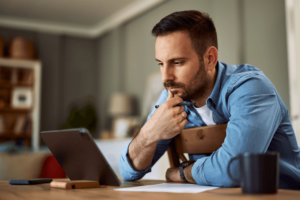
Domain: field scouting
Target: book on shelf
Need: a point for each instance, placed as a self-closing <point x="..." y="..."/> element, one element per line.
<point x="28" y="126"/>
<point x="19" y="125"/>
<point x="2" y="124"/>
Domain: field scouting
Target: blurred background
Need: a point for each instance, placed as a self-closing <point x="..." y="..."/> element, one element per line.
<point x="75" y="63"/>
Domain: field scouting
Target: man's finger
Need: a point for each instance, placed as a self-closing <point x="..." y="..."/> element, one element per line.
<point x="179" y="109"/>
<point x="183" y="123"/>
<point x="170" y="95"/>
<point x="174" y="101"/>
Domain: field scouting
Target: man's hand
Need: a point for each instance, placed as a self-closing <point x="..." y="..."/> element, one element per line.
<point x="173" y="174"/>
<point x="168" y="120"/>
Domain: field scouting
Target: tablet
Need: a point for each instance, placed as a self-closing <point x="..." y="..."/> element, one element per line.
<point x="79" y="156"/>
<point x="30" y="181"/>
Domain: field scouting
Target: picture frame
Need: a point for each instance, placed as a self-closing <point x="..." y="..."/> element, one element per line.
<point x="22" y="98"/>
<point x="123" y="126"/>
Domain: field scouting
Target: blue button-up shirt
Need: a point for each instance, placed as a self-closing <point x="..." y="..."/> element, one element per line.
<point x="258" y="121"/>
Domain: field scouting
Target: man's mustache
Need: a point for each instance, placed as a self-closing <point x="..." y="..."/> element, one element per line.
<point x="173" y="84"/>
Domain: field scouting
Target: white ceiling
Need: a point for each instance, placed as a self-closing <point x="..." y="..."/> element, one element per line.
<point x="74" y="17"/>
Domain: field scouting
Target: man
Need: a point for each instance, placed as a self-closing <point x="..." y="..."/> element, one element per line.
<point x="242" y="96"/>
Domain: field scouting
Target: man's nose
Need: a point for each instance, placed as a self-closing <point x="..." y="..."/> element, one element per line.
<point x="167" y="74"/>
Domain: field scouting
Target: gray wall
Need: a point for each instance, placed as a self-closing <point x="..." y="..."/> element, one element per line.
<point x="265" y="42"/>
<point x="249" y="31"/>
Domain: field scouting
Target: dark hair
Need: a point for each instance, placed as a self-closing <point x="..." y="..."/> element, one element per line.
<point x="198" y="25"/>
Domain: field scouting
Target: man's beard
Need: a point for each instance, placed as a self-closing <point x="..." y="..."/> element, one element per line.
<point x="197" y="88"/>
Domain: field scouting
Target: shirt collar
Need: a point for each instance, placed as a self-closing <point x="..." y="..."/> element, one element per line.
<point x="215" y="94"/>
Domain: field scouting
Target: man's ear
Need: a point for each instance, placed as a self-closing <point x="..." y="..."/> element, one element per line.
<point x="211" y="58"/>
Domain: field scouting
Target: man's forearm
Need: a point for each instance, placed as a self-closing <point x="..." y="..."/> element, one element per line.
<point x="141" y="151"/>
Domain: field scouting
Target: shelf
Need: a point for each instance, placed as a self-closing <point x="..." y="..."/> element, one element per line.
<point x="11" y="135"/>
<point x="12" y="110"/>
<point x="10" y="85"/>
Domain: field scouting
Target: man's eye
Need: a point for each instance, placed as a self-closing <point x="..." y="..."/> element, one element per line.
<point x="177" y="63"/>
<point x="160" y="64"/>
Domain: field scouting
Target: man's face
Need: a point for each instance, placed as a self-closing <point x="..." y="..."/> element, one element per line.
<point x="182" y="71"/>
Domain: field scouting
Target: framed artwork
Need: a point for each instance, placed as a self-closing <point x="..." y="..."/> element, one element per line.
<point x="123" y="126"/>
<point x="22" y="98"/>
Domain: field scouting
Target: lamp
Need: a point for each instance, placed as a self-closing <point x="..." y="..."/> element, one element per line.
<point x="120" y="108"/>
<point x="121" y="104"/>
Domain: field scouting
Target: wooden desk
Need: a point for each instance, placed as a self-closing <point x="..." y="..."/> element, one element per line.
<point x="44" y="191"/>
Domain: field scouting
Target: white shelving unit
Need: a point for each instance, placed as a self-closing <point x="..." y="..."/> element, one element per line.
<point x="36" y="90"/>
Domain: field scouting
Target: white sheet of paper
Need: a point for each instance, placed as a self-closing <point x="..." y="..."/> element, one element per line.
<point x="169" y="187"/>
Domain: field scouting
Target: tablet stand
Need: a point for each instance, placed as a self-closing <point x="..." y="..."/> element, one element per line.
<point x="67" y="184"/>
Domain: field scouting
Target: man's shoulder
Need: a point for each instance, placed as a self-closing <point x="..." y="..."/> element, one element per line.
<point x="236" y="71"/>
<point x="238" y="75"/>
<point x="245" y="83"/>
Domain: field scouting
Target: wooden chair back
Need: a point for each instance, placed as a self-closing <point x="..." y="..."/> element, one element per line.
<point x="197" y="140"/>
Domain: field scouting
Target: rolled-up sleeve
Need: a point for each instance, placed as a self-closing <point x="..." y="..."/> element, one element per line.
<point x="127" y="172"/>
<point x="255" y="114"/>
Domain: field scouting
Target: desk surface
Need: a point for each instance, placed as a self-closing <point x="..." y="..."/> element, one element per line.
<point x="44" y="191"/>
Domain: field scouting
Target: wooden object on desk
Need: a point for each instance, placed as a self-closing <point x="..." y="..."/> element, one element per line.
<point x="206" y="139"/>
<point x="44" y="191"/>
<point x="67" y="184"/>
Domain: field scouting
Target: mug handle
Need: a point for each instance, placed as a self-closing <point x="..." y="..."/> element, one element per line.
<point x="228" y="169"/>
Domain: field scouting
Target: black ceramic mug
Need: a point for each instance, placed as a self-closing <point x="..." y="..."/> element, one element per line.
<point x="259" y="172"/>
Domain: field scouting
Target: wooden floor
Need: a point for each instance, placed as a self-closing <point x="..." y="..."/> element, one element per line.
<point x="45" y="192"/>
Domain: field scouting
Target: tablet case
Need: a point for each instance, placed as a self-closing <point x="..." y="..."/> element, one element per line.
<point x="79" y="156"/>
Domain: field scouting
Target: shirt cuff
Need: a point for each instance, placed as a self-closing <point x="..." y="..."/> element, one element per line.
<point x="126" y="164"/>
<point x="198" y="172"/>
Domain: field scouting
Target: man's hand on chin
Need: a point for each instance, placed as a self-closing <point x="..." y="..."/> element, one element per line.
<point x="173" y="175"/>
